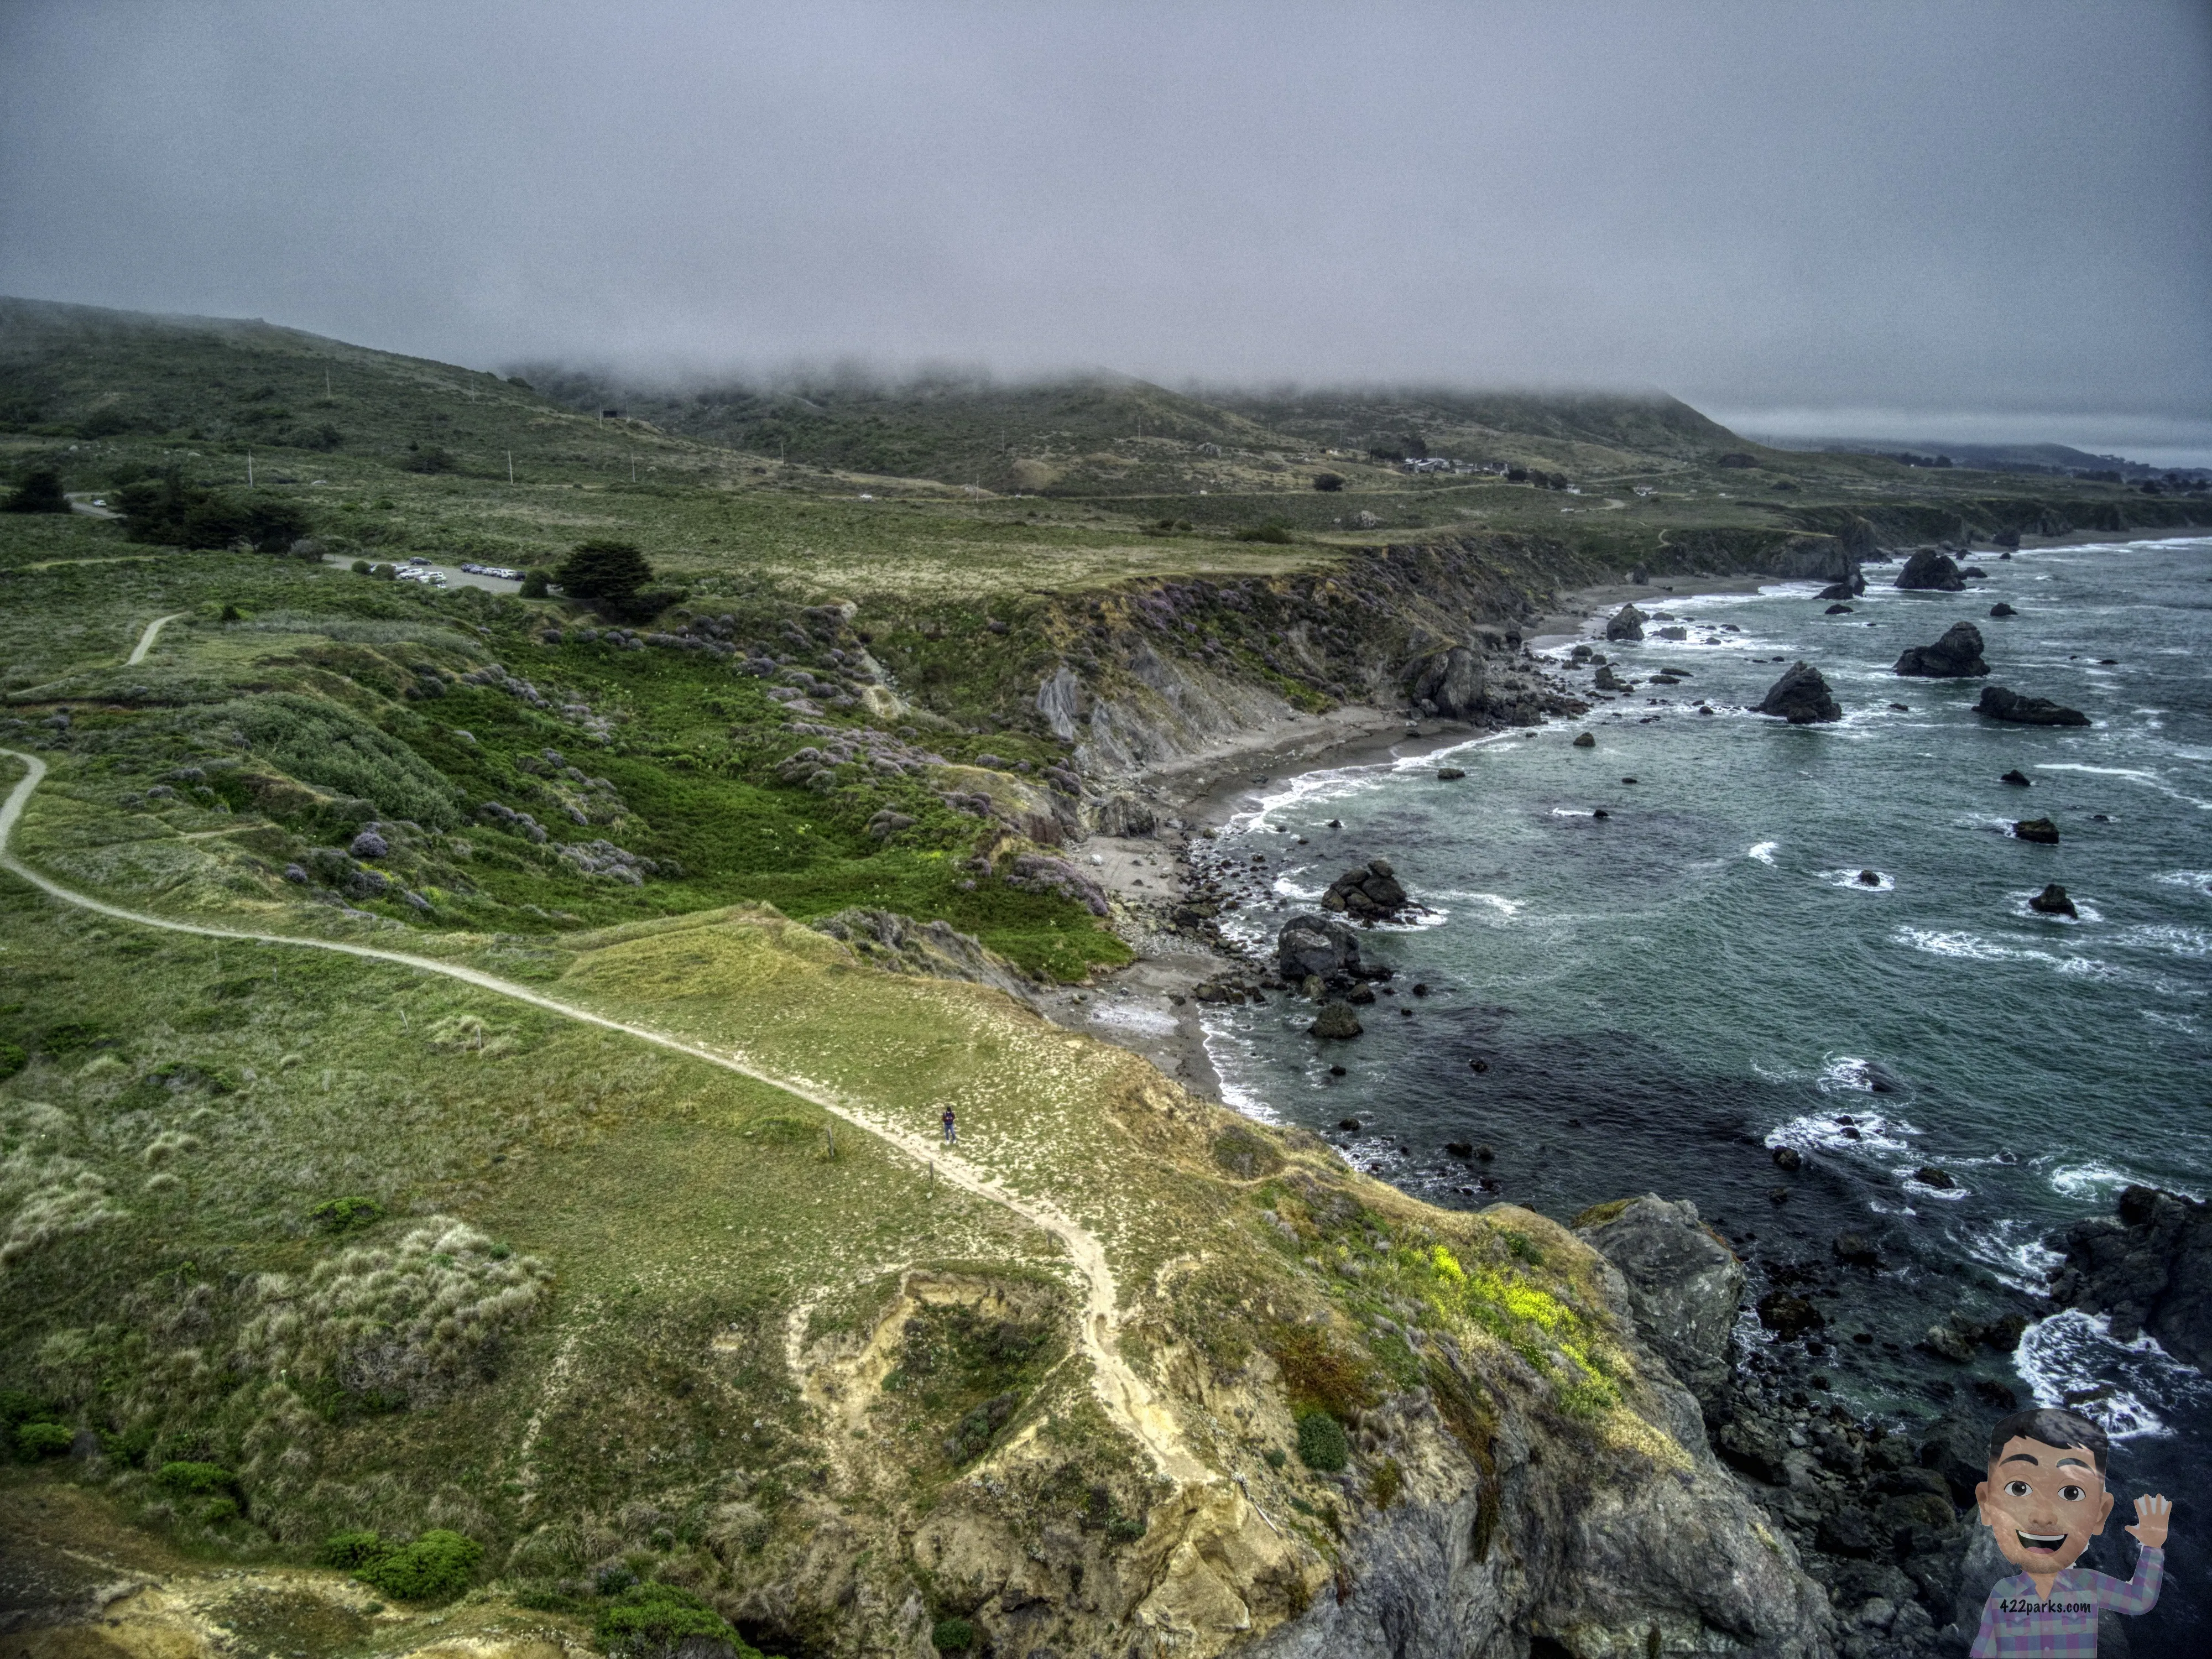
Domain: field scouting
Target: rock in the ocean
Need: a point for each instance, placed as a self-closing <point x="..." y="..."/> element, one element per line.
<point x="2000" y="704"/>
<point x="2041" y="830"/>
<point x="2017" y="778"/>
<point x="1684" y="1283"/>
<point x="1788" y="1316"/>
<point x="1790" y="1158"/>
<point x="1869" y="877"/>
<point x="1336" y="1019"/>
<point x="1801" y="697"/>
<point x="1450" y="775"/>
<point x="1837" y="611"/>
<point x="2151" y="1270"/>
<point x="1856" y="1249"/>
<point x="2052" y="902"/>
<point x="1585" y="741"/>
<point x="1625" y="624"/>
<point x="1311" y="947"/>
<point x="1933" y="572"/>
<point x="1975" y="573"/>
<point x="1929" y="1175"/>
<point x="1956" y="656"/>
<point x="2000" y="608"/>
<point x="1371" y="892"/>
<point x="1836" y="591"/>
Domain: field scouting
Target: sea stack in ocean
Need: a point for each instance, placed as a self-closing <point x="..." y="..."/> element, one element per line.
<point x="1932" y="572"/>
<point x="2000" y="704"/>
<point x="1316" y="947"/>
<point x="1956" y="656"/>
<point x="1370" y="893"/>
<point x="1801" y="697"/>
<point x="1626" y="624"/>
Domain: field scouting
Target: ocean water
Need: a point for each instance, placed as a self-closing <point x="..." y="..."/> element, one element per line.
<point x="1662" y="995"/>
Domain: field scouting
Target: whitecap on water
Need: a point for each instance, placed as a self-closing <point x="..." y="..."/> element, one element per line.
<point x="2098" y="1181"/>
<point x="1882" y="882"/>
<point x="2072" y="1359"/>
<point x="1763" y="851"/>
<point x="2176" y="941"/>
<point x="1497" y="901"/>
<point x="1921" y="1189"/>
<point x="2198" y="881"/>
<point x="1827" y="1131"/>
<point x="2015" y="1251"/>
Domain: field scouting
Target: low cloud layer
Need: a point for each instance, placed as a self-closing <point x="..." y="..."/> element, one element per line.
<point x="1932" y="210"/>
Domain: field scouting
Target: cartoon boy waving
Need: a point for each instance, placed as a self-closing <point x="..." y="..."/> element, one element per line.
<point x="2044" y="1500"/>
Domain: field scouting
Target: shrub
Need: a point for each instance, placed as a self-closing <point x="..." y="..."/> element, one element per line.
<point x="611" y="571"/>
<point x="217" y="1510"/>
<point x="433" y="459"/>
<point x="196" y="1480"/>
<point x="21" y="1406"/>
<point x="1277" y="534"/>
<point x="12" y="1059"/>
<point x="1125" y="1529"/>
<point x="171" y="510"/>
<point x="39" y="492"/>
<point x="654" y="1618"/>
<point x="1276" y="1457"/>
<point x="326" y="744"/>
<point x="435" y="1567"/>
<point x="1322" y="1442"/>
<point x="534" y="584"/>
<point x="349" y="1552"/>
<point x="341" y="1214"/>
<point x="37" y="1440"/>
<point x="952" y="1636"/>
<point x="360" y="567"/>
<point x="1386" y="1483"/>
<point x="131" y="1445"/>
<point x="1328" y="481"/>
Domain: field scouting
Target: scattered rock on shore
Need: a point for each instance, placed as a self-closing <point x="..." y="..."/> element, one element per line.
<point x="1956" y="656"/>
<point x="2052" y="902"/>
<point x="1999" y="704"/>
<point x="1930" y="571"/>
<point x="1801" y="697"/>
<point x="1626" y="624"/>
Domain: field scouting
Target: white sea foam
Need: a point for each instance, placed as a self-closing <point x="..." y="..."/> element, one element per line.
<point x="1921" y="1189"/>
<point x="1497" y="901"/>
<point x="2014" y="1250"/>
<point x="1764" y="852"/>
<point x="1883" y="882"/>
<point x="1969" y="947"/>
<point x="2198" y="881"/>
<point x="2089" y="1181"/>
<point x="2072" y="1359"/>
<point x="1826" y="1132"/>
<point x="2192" y="942"/>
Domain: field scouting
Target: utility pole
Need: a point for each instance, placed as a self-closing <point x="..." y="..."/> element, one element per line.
<point x="510" y="466"/>
<point x="327" y="384"/>
<point x="249" y="469"/>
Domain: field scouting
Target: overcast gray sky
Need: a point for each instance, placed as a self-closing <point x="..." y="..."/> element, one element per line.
<point x="1947" y="220"/>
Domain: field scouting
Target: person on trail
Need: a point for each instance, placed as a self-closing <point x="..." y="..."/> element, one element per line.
<point x="951" y="1133"/>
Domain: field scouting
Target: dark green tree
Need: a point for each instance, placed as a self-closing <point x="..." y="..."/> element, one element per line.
<point x="39" y="492"/>
<point x="609" y="571"/>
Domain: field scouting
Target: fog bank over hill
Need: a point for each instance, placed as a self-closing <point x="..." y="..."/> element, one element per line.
<point x="1917" y="208"/>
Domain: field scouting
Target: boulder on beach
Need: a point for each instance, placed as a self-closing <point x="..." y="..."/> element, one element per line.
<point x="2000" y="704"/>
<point x="2000" y="610"/>
<point x="1337" y="1020"/>
<point x="1311" y="947"/>
<point x="1956" y="656"/>
<point x="1450" y="682"/>
<point x="2052" y="902"/>
<point x="2042" y="831"/>
<point x="1625" y="624"/>
<point x="1370" y="893"/>
<point x="1930" y="571"/>
<point x="1801" y="697"/>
